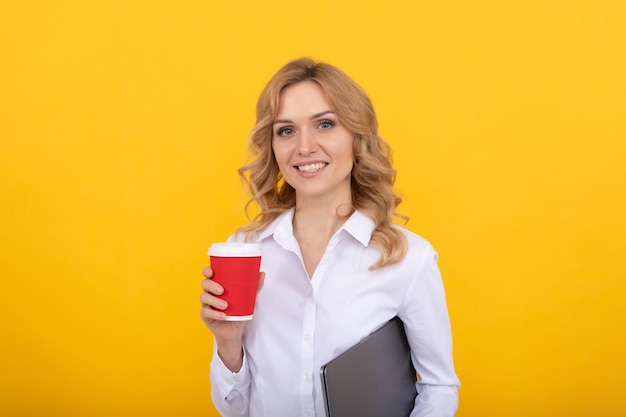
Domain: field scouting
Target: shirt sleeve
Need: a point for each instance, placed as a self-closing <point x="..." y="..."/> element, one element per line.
<point x="230" y="391"/>
<point x="427" y="325"/>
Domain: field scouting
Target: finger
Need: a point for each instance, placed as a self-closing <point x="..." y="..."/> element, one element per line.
<point x="261" y="281"/>
<point x="211" y="301"/>
<point x="212" y="287"/>
<point x="207" y="271"/>
<point x="207" y="314"/>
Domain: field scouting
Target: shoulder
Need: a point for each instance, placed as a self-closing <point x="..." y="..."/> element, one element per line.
<point x="418" y="248"/>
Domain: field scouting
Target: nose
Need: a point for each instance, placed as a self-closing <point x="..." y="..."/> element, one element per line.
<point x="306" y="142"/>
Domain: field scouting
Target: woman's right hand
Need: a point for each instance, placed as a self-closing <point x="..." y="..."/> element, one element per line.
<point x="228" y="334"/>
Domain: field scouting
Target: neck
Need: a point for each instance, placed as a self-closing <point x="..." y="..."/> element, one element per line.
<point x="319" y="223"/>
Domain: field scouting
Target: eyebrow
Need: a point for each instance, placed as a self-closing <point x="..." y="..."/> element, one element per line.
<point x="315" y="116"/>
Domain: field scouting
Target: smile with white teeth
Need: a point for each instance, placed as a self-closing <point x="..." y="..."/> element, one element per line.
<point x="311" y="167"/>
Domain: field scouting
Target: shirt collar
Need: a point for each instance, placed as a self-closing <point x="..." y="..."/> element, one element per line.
<point x="282" y="224"/>
<point x="359" y="225"/>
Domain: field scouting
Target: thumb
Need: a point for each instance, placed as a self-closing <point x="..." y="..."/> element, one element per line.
<point x="261" y="281"/>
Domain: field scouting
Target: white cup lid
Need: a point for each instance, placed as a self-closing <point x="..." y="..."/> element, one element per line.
<point x="235" y="249"/>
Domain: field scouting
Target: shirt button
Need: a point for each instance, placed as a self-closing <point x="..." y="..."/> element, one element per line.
<point x="310" y="294"/>
<point x="307" y="336"/>
<point x="308" y="413"/>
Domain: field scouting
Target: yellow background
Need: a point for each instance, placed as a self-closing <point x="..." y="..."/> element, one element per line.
<point x="122" y="124"/>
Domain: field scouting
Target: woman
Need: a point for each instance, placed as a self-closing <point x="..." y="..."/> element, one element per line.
<point x="334" y="266"/>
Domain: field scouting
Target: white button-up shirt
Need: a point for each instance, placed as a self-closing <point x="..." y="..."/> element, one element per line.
<point x="301" y="323"/>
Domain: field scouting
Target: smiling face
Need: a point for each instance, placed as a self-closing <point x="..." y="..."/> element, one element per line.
<point x="312" y="148"/>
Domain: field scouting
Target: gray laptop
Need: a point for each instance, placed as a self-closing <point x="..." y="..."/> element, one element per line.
<point x="374" y="378"/>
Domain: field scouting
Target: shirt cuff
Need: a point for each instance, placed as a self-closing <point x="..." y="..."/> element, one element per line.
<point x="229" y="387"/>
<point x="436" y="401"/>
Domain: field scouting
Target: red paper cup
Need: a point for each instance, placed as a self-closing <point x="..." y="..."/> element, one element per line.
<point x="236" y="268"/>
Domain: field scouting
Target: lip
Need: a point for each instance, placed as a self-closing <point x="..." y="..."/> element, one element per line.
<point x="308" y="174"/>
<point x="313" y="161"/>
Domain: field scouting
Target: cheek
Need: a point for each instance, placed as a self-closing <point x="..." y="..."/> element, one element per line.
<point x="348" y="152"/>
<point x="281" y="157"/>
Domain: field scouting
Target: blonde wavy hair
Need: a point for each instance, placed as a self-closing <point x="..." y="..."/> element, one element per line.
<point x="373" y="176"/>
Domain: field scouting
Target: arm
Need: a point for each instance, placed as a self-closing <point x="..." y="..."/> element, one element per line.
<point x="425" y="317"/>
<point x="230" y="375"/>
<point x="230" y="391"/>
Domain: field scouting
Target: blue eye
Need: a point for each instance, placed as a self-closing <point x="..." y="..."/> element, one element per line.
<point x="326" y="124"/>
<point x="285" y="131"/>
